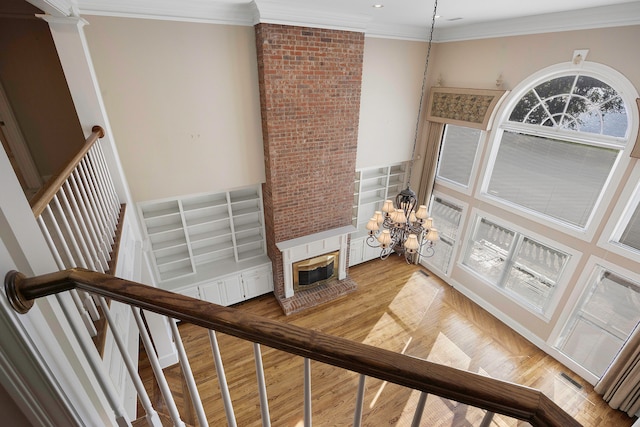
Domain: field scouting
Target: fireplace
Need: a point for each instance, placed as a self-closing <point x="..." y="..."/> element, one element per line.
<point x="334" y="242"/>
<point x="310" y="83"/>
<point x="315" y="271"/>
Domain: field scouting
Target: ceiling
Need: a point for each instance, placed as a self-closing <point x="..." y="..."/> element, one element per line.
<point x="409" y="19"/>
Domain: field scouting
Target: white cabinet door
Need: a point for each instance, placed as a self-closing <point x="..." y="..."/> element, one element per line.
<point x="211" y="292"/>
<point x="257" y="282"/>
<point x="231" y="289"/>
<point x="371" y="253"/>
<point x="356" y="251"/>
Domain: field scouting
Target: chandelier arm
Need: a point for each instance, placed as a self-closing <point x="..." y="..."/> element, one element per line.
<point x="370" y="239"/>
<point x="429" y="251"/>
<point x="385" y="253"/>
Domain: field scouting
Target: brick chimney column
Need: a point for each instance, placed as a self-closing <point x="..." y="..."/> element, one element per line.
<point x="310" y="83"/>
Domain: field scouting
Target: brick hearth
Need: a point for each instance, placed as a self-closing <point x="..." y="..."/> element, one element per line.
<point x="310" y="82"/>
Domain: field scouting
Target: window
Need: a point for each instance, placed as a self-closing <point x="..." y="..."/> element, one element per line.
<point x="446" y="217"/>
<point x="458" y="154"/>
<point x="521" y="266"/>
<point x="602" y="321"/>
<point x="621" y="234"/>
<point x="627" y="232"/>
<point x="558" y="148"/>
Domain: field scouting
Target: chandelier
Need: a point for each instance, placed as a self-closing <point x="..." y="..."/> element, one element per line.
<point x="404" y="227"/>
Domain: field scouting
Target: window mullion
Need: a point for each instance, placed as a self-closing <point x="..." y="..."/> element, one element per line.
<point x="509" y="259"/>
<point x="602" y="141"/>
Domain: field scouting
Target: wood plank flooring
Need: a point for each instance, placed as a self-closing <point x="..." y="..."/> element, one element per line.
<point x="398" y="307"/>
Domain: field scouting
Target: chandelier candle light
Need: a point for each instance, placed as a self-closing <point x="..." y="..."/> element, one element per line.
<point x="402" y="228"/>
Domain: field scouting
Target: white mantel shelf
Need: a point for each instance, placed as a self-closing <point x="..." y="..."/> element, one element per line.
<point x="304" y="240"/>
<point x="312" y="245"/>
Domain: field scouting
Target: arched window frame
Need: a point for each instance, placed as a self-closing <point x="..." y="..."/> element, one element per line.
<point x="601" y="72"/>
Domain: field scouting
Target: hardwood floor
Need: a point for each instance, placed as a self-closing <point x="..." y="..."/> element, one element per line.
<point x="397" y="307"/>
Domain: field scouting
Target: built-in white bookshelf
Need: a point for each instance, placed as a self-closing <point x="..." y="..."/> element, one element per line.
<point x="372" y="187"/>
<point x="195" y="232"/>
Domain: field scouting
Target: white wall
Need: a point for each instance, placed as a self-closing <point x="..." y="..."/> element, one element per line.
<point x="391" y="84"/>
<point x="183" y="103"/>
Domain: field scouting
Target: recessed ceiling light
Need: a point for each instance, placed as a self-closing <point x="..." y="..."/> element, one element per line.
<point x="378" y="6"/>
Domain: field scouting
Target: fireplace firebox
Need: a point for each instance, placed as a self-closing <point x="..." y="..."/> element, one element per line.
<point x="315" y="271"/>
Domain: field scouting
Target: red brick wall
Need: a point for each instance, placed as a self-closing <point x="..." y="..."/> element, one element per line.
<point x="310" y="81"/>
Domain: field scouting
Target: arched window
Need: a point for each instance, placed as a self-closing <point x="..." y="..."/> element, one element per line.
<point x="558" y="142"/>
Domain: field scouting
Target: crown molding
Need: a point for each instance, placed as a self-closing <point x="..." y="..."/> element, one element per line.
<point x="617" y="15"/>
<point x="184" y="10"/>
<point x="58" y="8"/>
<point x="290" y="13"/>
<point x="401" y="32"/>
<point x="287" y="12"/>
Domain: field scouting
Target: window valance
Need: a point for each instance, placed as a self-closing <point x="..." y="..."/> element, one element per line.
<point x="462" y="106"/>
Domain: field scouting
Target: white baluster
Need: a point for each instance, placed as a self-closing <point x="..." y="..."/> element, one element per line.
<point x="91" y="256"/>
<point x="89" y="305"/>
<point x="112" y="188"/>
<point x="188" y="375"/>
<point x="107" y="183"/>
<point x="79" y="240"/>
<point x="262" y="388"/>
<point x="82" y="308"/>
<point x="95" y="202"/>
<point x="222" y="380"/>
<point x="157" y="370"/>
<point x="151" y="414"/>
<point x="99" y="187"/>
<point x="74" y="295"/>
<point x="307" y="393"/>
<point x="96" y="365"/>
<point x="419" y="409"/>
<point x="487" y="419"/>
<point x="98" y="244"/>
<point x="357" y="416"/>
<point x="61" y="241"/>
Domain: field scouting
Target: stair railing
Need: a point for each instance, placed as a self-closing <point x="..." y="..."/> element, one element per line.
<point x="77" y="211"/>
<point x="493" y="395"/>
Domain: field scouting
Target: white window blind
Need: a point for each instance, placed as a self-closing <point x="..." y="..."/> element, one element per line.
<point x="557" y="178"/>
<point x="458" y="154"/>
<point x="631" y="235"/>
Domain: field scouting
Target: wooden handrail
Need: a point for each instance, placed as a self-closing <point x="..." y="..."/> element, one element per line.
<point x="466" y="387"/>
<point x="42" y="198"/>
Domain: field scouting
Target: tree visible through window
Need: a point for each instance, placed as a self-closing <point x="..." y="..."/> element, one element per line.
<point x="559" y="147"/>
